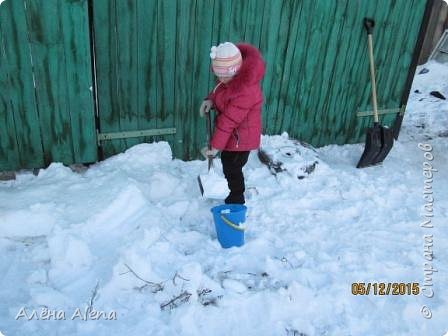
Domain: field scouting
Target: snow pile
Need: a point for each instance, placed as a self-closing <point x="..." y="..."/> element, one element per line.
<point x="427" y="113"/>
<point x="133" y="235"/>
<point x="282" y="154"/>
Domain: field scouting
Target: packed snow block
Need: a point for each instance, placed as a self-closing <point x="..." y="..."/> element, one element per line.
<point x="214" y="186"/>
<point x="282" y="154"/>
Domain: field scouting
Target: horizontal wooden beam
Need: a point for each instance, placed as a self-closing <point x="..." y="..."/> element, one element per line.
<point x="400" y="110"/>
<point x="134" y="134"/>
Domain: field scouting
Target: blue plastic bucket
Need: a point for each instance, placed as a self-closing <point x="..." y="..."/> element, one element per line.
<point x="228" y="223"/>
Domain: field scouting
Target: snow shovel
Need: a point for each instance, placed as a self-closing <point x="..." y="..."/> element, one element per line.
<point x="212" y="185"/>
<point x="379" y="139"/>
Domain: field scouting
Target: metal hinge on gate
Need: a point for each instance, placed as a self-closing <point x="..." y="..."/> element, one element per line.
<point x="400" y="110"/>
<point x="134" y="134"/>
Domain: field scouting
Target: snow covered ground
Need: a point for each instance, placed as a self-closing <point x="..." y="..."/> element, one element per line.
<point x="132" y="238"/>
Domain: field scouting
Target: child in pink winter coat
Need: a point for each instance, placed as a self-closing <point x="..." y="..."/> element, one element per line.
<point x="238" y="99"/>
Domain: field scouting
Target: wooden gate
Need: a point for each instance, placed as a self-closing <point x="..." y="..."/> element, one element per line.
<point x="46" y="105"/>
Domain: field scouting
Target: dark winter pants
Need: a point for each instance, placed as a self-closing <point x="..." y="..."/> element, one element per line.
<point x="232" y="166"/>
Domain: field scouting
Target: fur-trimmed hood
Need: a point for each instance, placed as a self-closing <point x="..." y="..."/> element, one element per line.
<point x="251" y="71"/>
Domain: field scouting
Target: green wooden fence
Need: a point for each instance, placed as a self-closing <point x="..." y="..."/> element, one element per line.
<point x="153" y="70"/>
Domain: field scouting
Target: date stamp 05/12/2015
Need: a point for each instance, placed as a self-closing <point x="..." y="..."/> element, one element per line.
<point x="385" y="288"/>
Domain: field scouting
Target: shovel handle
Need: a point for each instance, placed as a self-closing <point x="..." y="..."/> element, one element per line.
<point x="208" y="120"/>
<point x="369" y="24"/>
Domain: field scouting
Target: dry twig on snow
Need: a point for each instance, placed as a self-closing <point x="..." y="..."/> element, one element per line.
<point x="156" y="287"/>
<point x="176" y="301"/>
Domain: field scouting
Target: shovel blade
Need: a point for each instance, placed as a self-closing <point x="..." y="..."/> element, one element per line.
<point x="387" y="141"/>
<point x="379" y="142"/>
<point x="213" y="186"/>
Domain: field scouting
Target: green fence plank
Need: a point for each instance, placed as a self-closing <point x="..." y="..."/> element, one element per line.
<point x="301" y="92"/>
<point x="332" y="54"/>
<point x="147" y="65"/>
<point x="197" y="60"/>
<point x="127" y="51"/>
<point x="183" y="104"/>
<point x="288" y="82"/>
<point x="9" y="152"/>
<point x="107" y="71"/>
<point x="46" y="38"/>
<point x="271" y="50"/>
<point x="343" y="99"/>
<point x="238" y="16"/>
<point x="21" y="107"/>
<point x="254" y="21"/>
<point x="315" y="79"/>
<point x="393" y="31"/>
<point x="400" y="60"/>
<point x="201" y="70"/>
<point x="221" y="21"/>
<point x="166" y="64"/>
<point x="76" y="49"/>
<point x="294" y="106"/>
<point x="355" y="84"/>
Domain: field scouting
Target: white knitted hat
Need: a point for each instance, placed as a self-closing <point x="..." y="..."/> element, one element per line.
<point x="226" y="59"/>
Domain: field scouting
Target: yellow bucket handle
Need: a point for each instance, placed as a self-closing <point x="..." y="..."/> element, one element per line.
<point x="232" y="225"/>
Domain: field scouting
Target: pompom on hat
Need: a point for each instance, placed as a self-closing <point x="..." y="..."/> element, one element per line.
<point x="226" y="59"/>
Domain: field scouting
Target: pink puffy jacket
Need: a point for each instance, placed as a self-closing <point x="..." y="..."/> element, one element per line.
<point x="238" y="103"/>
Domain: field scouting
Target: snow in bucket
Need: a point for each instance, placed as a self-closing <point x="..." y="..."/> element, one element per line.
<point x="228" y="223"/>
